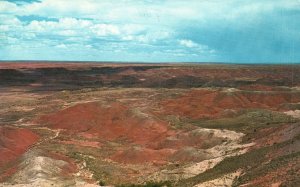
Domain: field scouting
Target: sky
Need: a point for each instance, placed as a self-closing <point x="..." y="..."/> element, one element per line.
<point x="233" y="31"/>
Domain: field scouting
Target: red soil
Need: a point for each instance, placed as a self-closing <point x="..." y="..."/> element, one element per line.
<point x="269" y="136"/>
<point x="155" y="139"/>
<point x="107" y="123"/>
<point x="257" y="87"/>
<point x="33" y="65"/>
<point x="278" y="175"/>
<point x="142" y="155"/>
<point x="187" y="139"/>
<point x="7" y="173"/>
<point x="211" y="103"/>
<point x="14" y="142"/>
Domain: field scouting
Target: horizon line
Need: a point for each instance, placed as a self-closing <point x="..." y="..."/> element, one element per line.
<point x="149" y="62"/>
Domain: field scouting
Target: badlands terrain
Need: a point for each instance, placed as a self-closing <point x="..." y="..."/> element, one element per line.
<point x="91" y="124"/>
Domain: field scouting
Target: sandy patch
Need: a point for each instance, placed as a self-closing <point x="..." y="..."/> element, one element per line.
<point x="293" y="113"/>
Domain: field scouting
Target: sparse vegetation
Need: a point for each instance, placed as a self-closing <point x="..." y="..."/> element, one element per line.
<point x="148" y="184"/>
<point x="248" y="121"/>
<point x="175" y="121"/>
<point x="248" y="162"/>
<point x="228" y="165"/>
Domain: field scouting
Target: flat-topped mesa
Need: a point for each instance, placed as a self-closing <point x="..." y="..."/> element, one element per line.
<point x="74" y="76"/>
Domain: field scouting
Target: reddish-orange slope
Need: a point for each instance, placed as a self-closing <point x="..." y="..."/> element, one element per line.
<point x="14" y="142"/>
<point x="109" y="123"/>
<point x="211" y="103"/>
<point x="143" y="139"/>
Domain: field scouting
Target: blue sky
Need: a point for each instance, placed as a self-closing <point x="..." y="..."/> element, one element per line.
<point x="243" y="31"/>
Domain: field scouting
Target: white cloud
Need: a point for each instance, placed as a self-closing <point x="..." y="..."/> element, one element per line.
<point x="74" y="23"/>
<point x="193" y="48"/>
<point x="62" y="24"/>
<point x="72" y="27"/>
<point x="128" y="24"/>
<point x="194" y="45"/>
<point x="157" y="12"/>
<point x="67" y="33"/>
<point x="149" y="37"/>
<point x="188" y="43"/>
<point x="105" y="29"/>
<point x="62" y="46"/>
<point x="8" y="7"/>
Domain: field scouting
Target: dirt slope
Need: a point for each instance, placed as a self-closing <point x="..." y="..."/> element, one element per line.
<point x="14" y="142"/>
<point x="212" y="103"/>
